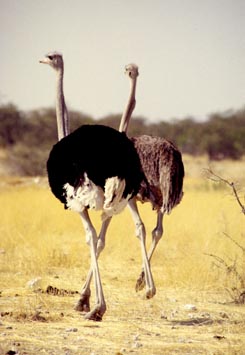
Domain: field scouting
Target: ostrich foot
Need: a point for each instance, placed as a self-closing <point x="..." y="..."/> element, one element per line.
<point x="150" y="293"/>
<point x="140" y="283"/>
<point x="96" y="314"/>
<point x="83" y="304"/>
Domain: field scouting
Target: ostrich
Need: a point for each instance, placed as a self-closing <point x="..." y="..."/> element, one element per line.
<point x="94" y="167"/>
<point x="163" y="169"/>
<point x="162" y="184"/>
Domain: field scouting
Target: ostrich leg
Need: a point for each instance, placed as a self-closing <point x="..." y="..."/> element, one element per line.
<point x="91" y="238"/>
<point x="140" y="233"/>
<point x="156" y="236"/>
<point x="83" y="305"/>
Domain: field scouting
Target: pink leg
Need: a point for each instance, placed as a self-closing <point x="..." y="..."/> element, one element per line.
<point x="156" y="236"/>
<point x="83" y="304"/>
<point x="92" y="240"/>
<point x="140" y="233"/>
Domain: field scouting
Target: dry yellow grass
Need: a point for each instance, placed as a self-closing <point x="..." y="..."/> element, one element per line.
<point x="40" y="239"/>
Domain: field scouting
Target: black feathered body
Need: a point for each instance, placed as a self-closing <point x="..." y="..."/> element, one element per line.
<point x="162" y="165"/>
<point x="97" y="151"/>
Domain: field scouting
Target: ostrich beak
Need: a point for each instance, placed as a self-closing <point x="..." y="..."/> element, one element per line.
<point x="44" y="61"/>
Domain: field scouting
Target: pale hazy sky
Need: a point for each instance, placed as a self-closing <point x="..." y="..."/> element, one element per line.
<point x="191" y="54"/>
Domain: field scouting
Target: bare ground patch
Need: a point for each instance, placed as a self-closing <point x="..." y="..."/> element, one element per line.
<point x="45" y="323"/>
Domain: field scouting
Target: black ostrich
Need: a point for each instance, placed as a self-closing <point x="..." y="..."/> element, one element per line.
<point x="94" y="167"/>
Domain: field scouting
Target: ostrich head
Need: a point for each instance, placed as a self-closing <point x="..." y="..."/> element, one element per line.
<point x="132" y="70"/>
<point x="54" y="59"/>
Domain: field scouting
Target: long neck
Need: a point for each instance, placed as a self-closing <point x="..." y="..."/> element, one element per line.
<point x="129" y="108"/>
<point x="61" y="111"/>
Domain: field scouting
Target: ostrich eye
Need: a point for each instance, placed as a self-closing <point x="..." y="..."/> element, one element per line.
<point x="50" y="57"/>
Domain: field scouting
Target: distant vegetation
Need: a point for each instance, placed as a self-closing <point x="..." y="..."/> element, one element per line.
<point x="28" y="136"/>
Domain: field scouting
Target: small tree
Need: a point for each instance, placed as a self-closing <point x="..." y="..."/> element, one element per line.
<point x="235" y="269"/>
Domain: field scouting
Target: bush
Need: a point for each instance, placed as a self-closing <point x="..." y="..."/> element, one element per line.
<point x="29" y="136"/>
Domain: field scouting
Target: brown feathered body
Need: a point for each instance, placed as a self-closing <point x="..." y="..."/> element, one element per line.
<point x="162" y="165"/>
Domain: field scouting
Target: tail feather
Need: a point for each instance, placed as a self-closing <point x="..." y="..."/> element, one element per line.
<point x="172" y="183"/>
<point x="114" y="202"/>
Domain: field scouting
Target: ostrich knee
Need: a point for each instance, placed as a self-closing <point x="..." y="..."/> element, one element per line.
<point x="158" y="230"/>
<point x="140" y="231"/>
<point x="157" y="234"/>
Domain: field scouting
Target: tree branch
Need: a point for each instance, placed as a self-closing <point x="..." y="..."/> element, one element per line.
<point x="235" y="242"/>
<point x="216" y="178"/>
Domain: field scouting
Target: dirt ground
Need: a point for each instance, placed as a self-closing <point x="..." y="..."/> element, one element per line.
<point x="175" y="321"/>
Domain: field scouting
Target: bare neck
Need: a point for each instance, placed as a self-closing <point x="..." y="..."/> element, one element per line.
<point x="129" y="108"/>
<point x="61" y="111"/>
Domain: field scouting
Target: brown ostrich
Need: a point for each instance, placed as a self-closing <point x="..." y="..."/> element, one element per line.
<point x="162" y="165"/>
